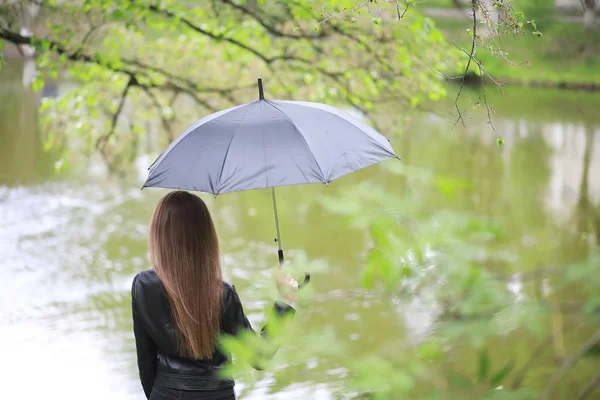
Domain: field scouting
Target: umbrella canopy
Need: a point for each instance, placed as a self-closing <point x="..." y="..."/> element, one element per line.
<point x="268" y="143"/>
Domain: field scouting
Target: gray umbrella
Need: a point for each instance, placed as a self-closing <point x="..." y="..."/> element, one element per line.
<point x="268" y="143"/>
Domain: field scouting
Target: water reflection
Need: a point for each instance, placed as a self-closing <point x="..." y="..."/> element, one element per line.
<point x="71" y="246"/>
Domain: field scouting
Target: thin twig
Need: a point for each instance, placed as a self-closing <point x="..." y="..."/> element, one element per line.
<point x="224" y="91"/>
<point x="590" y="388"/>
<point x="163" y="117"/>
<point x="103" y="140"/>
<point x="482" y="71"/>
<point x="406" y="5"/>
<point x="568" y="364"/>
<point x="88" y="35"/>
<point x="485" y="102"/>
<point x="471" y="56"/>
<point x="269" y="27"/>
<point x="344" y="12"/>
<point x="540" y="348"/>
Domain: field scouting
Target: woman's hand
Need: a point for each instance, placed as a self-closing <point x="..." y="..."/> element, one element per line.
<point x="288" y="287"/>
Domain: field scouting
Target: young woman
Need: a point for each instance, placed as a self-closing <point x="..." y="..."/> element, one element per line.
<point x="181" y="306"/>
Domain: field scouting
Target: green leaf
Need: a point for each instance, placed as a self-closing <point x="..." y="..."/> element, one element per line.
<point x="367" y="277"/>
<point x="118" y="15"/>
<point x="138" y="129"/>
<point x="47" y="146"/>
<point x="502" y="373"/>
<point x="449" y="186"/>
<point x="484" y="365"/>
<point x="37" y="84"/>
<point x="377" y="21"/>
<point x="381" y="230"/>
<point x="431" y="350"/>
<point x="459" y="381"/>
<point x="379" y="261"/>
<point x="473" y="277"/>
<point x="532" y="22"/>
<point x="500" y="142"/>
<point x="44" y="45"/>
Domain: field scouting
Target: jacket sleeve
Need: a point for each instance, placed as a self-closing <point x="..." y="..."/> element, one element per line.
<point x="237" y="322"/>
<point x="145" y="347"/>
<point x="236" y="319"/>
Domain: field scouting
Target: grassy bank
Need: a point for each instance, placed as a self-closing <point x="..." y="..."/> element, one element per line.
<point x="552" y="60"/>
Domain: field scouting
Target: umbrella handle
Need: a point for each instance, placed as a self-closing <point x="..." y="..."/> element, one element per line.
<point x="305" y="281"/>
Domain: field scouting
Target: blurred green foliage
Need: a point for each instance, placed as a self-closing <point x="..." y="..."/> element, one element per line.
<point x="458" y="265"/>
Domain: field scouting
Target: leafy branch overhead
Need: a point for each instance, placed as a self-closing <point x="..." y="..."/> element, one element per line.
<point x="138" y="55"/>
<point x="136" y="61"/>
<point x="500" y="20"/>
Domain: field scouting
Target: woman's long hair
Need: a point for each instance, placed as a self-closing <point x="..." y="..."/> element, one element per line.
<point x="184" y="249"/>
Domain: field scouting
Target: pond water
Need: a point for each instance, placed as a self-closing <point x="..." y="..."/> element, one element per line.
<point x="71" y="244"/>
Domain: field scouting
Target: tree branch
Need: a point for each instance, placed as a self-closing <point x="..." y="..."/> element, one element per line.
<point x="406" y="5"/>
<point x="224" y="38"/>
<point x="345" y="11"/>
<point x="471" y="56"/>
<point x="80" y="56"/>
<point x="568" y="364"/>
<point x="58" y="48"/>
<point x="267" y="60"/>
<point x="591" y="387"/>
<point x="218" y="37"/>
<point x="103" y="140"/>
<point x="225" y="92"/>
<point x="165" y="122"/>
<point x="520" y="376"/>
<point x="270" y="28"/>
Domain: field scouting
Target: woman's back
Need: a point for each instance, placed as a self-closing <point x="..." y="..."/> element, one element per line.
<point x="159" y="359"/>
<point x="182" y="306"/>
<point x="152" y="313"/>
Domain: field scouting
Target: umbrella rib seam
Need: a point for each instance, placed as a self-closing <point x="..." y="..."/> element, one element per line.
<point x="351" y="122"/>
<point x="228" y="147"/>
<point x="189" y="130"/>
<point x="323" y="177"/>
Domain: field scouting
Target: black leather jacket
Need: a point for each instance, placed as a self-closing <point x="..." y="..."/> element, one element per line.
<point x="159" y="361"/>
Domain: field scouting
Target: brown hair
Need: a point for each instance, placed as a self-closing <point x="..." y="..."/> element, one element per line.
<point x="184" y="249"/>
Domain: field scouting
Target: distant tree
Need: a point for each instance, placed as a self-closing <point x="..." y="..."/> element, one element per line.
<point x="589" y="23"/>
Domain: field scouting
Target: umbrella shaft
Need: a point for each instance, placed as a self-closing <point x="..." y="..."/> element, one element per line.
<point x="277" y="225"/>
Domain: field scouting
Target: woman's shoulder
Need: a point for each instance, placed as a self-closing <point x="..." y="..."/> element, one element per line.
<point x="228" y="290"/>
<point x="229" y="294"/>
<point x="146" y="276"/>
<point x="145" y="280"/>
